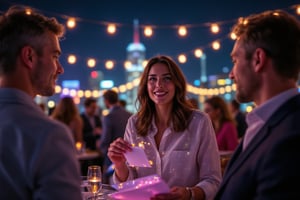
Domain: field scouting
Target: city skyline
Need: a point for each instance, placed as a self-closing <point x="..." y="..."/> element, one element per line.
<point x="89" y="39"/>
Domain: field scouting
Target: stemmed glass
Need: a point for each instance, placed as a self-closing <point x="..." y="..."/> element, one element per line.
<point x="94" y="177"/>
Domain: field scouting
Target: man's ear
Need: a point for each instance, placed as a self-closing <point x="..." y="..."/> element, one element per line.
<point x="27" y="54"/>
<point x="259" y="59"/>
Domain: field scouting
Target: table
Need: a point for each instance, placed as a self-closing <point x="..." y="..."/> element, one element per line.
<point x="224" y="158"/>
<point x="103" y="194"/>
<point x="88" y="155"/>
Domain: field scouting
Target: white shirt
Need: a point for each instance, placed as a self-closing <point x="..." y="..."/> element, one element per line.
<point x="189" y="158"/>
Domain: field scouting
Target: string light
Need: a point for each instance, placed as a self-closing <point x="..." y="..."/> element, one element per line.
<point x="182" y="31"/>
<point x="71" y="59"/>
<point x="28" y="11"/>
<point x="215" y="28"/>
<point x="91" y="62"/>
<point x="182" y="58"/>
<point x="71" y="23"/>
<point x="216" y="45"/>
<point x="111" y="28"/>
<point x="233" y="36"/>
<point x="198" y="53"/>
<point x="109" y="64"/>
<point x="148" y="31"/>
<point x="298" y="9"/>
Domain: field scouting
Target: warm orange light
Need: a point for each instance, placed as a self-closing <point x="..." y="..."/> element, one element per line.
<point x="298" y="10"/>
<point x="182" y="58"/>
<point x="71" y="59"/>
<point x="111" y="28"/>
<point x="91" y="62"/>
<point x="148" y="31"/>
<point x="216" y="45"/>
<point x="214" y="28"/>
<point x="127" y="65"/>
<point x="71" y="23"/>
<point x="233" y="36"/>
<point x="109" y="64"/>
<point x="198" y="53"/>
<point x="182" y="31"/>
<point x="28" y="11"/>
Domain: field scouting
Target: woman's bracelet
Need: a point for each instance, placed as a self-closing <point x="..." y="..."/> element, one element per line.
<point x="191" y="192"/>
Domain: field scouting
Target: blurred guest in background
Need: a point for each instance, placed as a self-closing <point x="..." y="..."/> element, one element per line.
<point x="239" y="117"/>
<point x="67" y="112"/>
<point x="114" y="124"/>
<point x="92" y="126"/>
<point x="37" y="154"/>
<point x="223" y="122"/>
<point x="194" y="103"/>
<point x="179" y="140"/>
<point x="266" y="65"/>
<point x="122" y="103"/>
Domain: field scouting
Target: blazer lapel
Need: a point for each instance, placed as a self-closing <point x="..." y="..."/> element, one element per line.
<point x="240" y="156"/>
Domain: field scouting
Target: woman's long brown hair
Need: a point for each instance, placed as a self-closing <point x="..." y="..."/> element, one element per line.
<point x="181" y="110"/>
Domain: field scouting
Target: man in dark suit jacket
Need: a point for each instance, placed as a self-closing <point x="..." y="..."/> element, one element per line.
<point x="114" y="125"/>
<point x="92" y="125"/>
<point x="266" y="164"/>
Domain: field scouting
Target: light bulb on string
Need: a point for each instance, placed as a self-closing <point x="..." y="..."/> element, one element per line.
<point x="214" y="28"/>
<point x="71" y="23"/>
<point x="198" y="53"/>
<point x="216" y="45"/>
<point x="182" y="31"/>
<point x="109" y="64"/>
<point x="298" y="9"/>
<point x="182" y="58"/>
<point x="71" y="59"/>
<point x="148" y="31"/>
<point x="111" y="29"/>
<point x="91" y="62"/>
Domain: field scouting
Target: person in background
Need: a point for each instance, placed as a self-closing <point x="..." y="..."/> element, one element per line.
<point x="194" y="102"/>
<point x="92" y="126"/>
<point x="114" y="125"/>
<point x="223" y="122"/>
<point x="122" y="103"/>
<point x="37" y="154"/>
<point x="67" y="112"/>
<point x="179" y="140"/>
<point x="266" y="65"/>
<point x="239" y="117"/>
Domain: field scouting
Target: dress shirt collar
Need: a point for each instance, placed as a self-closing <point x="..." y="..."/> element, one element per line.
<point x="264" y="111"/>
<point x="16" y="96"/>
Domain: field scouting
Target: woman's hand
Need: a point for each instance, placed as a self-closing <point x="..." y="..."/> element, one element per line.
<point x="176" y="193"/>
<point x="116" y="151"/>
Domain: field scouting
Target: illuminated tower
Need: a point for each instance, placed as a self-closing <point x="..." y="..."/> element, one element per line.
<point x="203" y="78"/>
<point x="136" y="56"/>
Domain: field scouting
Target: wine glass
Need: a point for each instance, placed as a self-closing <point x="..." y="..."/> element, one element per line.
<point x="94" y="177"/>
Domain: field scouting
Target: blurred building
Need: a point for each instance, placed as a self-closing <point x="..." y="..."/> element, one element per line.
<point x="136" y="57"/>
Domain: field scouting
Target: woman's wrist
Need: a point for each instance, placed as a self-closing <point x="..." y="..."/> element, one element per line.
<point x="122" y="172"/>
<point x="191" y="195"/>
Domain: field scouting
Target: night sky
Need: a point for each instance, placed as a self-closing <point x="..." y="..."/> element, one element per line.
<point x="89" y="38"/>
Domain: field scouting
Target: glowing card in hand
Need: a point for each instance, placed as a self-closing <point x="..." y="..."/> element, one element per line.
<point x="140" y="189"/>
<point x="137" y="157"/>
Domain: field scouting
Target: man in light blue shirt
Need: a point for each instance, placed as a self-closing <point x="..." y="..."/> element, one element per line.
<point x="37" y="154"/>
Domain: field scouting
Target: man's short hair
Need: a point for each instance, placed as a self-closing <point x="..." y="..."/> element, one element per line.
<point x="111" y="96"/>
